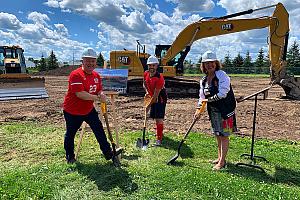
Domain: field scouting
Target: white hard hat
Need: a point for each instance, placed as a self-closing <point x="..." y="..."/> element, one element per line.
<point x="89" y="53"/>
<point x="152" y="60"/>
<point x="209" y="56"/>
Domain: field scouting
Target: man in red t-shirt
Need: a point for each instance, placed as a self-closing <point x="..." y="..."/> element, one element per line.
<point x="154" y="84"/>
<point x="84" y="88"/>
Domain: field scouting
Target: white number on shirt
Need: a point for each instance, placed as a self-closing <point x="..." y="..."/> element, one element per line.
<point x="93" y="88"/>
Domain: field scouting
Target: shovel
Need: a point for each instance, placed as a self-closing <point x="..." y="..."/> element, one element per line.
<point x="143" y="143"/>
<point x="173" y="159"/>
<point x="115" y="158"/>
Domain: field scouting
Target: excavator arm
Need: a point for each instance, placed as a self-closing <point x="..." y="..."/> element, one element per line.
<point x="278" y="25"/>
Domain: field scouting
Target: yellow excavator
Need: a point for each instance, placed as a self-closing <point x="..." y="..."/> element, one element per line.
<point x="278" y="25"/>
<point x="15" y="82"/>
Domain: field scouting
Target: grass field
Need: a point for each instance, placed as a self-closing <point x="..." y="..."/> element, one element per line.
<point x="32" y="166"/>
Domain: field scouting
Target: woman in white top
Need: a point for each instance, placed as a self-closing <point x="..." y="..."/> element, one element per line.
<point x="215" y="88"/>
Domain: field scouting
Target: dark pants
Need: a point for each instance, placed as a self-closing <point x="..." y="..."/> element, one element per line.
<point x="73" y="123"/>
<point x="158" y="111"/>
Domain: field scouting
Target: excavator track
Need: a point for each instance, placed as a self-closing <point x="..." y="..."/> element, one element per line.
<point x="175" y="87"/>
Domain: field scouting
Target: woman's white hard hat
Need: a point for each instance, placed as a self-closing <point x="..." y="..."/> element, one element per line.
<point x="152" y="60"/>
<point x="89" y="53"/>
<point x="209" y="56"/>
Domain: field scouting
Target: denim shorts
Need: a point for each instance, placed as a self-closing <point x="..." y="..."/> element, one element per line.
<point x="220" y="126"/>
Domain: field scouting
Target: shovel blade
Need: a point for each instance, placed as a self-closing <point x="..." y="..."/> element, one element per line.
<point x="173" y="159"/>
<point x="139" y="143"/>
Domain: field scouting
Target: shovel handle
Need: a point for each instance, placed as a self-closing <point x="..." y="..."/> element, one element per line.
<point x="145" y="118"/>
<point x="103" y="106"/>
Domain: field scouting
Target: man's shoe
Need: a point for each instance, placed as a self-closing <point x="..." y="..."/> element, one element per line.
<point x="71" y="161"/>
<point x="118" y="151"/>
<point x="110" y="154"/>
<point x="157" y="143"/>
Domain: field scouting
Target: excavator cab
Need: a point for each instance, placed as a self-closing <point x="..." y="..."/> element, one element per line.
<point x="15" y="83"/>
<point x="177" y="61"/>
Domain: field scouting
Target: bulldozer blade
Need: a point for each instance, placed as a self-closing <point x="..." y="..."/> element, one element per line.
<point x="22" y="88"/>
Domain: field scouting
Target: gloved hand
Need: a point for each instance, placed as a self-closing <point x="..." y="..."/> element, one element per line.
<point x="200" y="109"/>
<point x="102" y="97"/>
<point x="147" y="101"/>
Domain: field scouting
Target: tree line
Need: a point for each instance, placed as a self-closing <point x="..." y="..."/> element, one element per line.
<point x="46" y="64"/>
<point x="247" y="65"/>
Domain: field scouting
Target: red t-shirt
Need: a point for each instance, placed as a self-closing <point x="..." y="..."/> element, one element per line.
<point x="155" y="82"/>
<point x="80" y="81"/>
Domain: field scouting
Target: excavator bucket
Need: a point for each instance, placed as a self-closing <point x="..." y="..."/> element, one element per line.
<point x="21" y="86"/>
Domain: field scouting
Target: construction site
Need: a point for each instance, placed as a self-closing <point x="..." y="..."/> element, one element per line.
<point x="276" y="118"/>
<point x="149" y="103"/>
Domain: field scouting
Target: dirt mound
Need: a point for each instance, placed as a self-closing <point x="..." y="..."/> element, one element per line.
<point x="62" y="71"/>
<point x="276" y="118"/>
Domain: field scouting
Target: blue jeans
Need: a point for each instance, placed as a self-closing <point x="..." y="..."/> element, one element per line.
<point x="73" y="123"/>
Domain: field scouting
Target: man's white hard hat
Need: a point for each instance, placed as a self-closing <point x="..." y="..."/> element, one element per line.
<point x="89" y="53"/>
<point x="209" y="56"/>
<point x="152" y="60"/>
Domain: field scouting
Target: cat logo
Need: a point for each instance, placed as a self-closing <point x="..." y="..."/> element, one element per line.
<point x="227" y="27"/>
<point x="124" y="60"/>
<point x="96" y="80"/>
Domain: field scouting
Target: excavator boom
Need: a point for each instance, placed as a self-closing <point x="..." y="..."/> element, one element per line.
<point x="278" y="25"/>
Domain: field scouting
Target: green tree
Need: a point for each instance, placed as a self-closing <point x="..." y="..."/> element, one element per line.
<point x="100" y="60"/>
<point x="52" y="61"/>
<point x="248" y="65"/>
<point x="259" y="62"/>
<point x="293" y="58"/>
<point x="227" y="64"/>
<point x="42" y="66"/>
<point x="238" y="64"/>
<point x="267" y="64"/>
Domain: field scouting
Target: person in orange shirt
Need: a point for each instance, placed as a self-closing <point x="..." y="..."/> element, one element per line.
<point x="84" y="88"/>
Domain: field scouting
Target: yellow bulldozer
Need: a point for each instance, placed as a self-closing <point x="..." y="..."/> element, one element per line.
<point x="172" y="56"/>
<point x="15" y="82"/>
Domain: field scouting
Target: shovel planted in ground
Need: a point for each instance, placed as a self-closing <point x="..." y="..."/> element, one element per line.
<point x="115" y="158"/>
<point x="173" y="159"/>
<point x="143" y="142"/>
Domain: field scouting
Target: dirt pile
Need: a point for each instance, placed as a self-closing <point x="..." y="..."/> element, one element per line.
<point x="61" y="71"/>
<point x="276" y="119"/>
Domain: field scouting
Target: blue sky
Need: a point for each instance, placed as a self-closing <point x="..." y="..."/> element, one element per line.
<point x="68" y="26"/>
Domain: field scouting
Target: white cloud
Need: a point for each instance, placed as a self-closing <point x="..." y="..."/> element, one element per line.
<point x="160" y="17"/>
<point x="189" y="6"/>
<point x="61" y="29"/>
<point x="52" y="3"/>
<point x="38" y="38"/>
<point x="9" y="21"/>
<point x="38" y="18"/>
<point x="126" y="15"/>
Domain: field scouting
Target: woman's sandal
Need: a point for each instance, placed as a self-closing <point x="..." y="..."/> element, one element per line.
<point x="214" y="161"/>
<point x="219" y="167"/>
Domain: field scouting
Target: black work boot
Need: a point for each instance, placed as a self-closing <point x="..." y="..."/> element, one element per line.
<point x="70" y="159"/>
<point x="110" y="153"/>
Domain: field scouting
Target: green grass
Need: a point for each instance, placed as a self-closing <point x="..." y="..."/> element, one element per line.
<point x="32" y="166"/>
